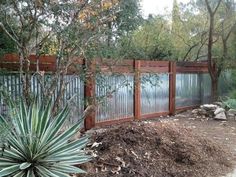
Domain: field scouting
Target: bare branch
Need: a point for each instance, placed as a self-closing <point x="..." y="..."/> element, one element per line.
<point x="7" y="32"/>
<point x="212" y="12"/>
<point x="189" y="50"/>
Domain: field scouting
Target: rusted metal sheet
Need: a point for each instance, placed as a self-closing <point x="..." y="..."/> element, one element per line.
<point x="115" y="95"/>
<point x="154" y="93"/>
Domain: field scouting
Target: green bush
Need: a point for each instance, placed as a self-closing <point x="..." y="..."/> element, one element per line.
<point x="36" y="147"/>
<point x="232" y="94"/>
<point x="230" y="103"/>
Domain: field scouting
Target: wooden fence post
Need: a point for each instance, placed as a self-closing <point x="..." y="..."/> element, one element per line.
<point x="172" y="87"/>
<point x="89" y="93"/>
<point x="137" y="90"/>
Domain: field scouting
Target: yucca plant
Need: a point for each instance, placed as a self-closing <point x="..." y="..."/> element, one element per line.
<point x="36" y="147"/>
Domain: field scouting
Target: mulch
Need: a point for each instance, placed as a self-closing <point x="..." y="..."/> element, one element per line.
<point x="154" y="149"/>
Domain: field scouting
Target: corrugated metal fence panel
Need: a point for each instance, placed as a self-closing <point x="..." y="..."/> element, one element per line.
<point x="206" y="88"/>
<point x="74" y="96"/>
<point x="154" y="93"/>
<point x="225" y="85"/>
<point x="188" y="90"/>
<point x="10" y="85"/>
<point x="115" y="93"/>
<point x="74" y="92"/>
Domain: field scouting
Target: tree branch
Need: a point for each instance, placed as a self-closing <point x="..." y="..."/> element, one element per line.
<point x="7" y="32"/>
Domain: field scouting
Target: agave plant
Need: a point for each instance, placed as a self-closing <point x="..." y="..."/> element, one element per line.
<point x="36" y="147"/>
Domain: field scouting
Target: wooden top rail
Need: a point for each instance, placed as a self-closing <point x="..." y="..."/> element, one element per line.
<point x="48" y="63"/>
<point x="118" y="66"/>
<point x="154" y="66"/>
<point x="12" y="62"/>
<point x="191" y="67"/>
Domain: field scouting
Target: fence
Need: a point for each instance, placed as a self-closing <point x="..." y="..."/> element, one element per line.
<point x="128" y="89"/>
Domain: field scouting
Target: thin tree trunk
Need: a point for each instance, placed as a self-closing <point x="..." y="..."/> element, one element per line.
<point x="211" y="63"/>
<point x="214" y="90"/>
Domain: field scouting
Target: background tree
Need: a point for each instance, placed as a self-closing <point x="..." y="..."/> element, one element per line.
<point x="75" y="27"/>
<point x="150" y="41"/>
<point x="205" y="32"/>
<point x="221" y="25"/>
<point x="128" y="19"/>
<point x="6" y="44"/>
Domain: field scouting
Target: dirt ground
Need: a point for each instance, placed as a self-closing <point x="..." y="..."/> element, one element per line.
<point x="222" y="132"/>
<point x="179" y="146"/>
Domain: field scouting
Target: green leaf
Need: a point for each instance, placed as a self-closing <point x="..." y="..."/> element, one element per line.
<point x="25" y="165"/>
<point x="35" y="138"/>
<point x="67" y="169"/>
<point x="19" y="174"/>
<point x="30" y="173"/>
<point x="9" y="170"/>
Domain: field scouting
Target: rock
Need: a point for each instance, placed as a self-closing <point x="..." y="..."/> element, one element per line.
<point x="230" y="116"/>
<point x="232" y="111"/>
<point x="203" y="112"/>
<point x="220" y="104"/>
<point x="220" y="116"/>
<point x="209" y="107"/>
<point x="195" y="111"/>
<point x="219" y="110"/>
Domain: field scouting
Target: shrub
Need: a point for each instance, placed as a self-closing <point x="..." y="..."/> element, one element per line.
<point x="35" y="146"/>
<point x="230" y="103"/>
<point x="232" y="94"/>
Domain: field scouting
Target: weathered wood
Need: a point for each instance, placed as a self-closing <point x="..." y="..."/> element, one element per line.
<point x="154" y="115"/>
<point x="137" y="90"/>
<point x="116" y="121"/>
<point x="191" y="67"/>
<point x="172" y="87"/>
<point x="185" y="108"/>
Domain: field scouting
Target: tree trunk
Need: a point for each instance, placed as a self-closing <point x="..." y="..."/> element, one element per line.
<point x="211" y="63"/>
<point x="25" y="75"/>
<point x="214" y="89"/>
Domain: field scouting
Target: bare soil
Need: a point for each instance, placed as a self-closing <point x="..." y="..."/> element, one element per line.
<point x="180" y="146"/>
<point x="221" y="132"/>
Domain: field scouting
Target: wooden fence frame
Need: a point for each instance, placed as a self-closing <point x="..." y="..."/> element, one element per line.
<point x="10" y="62"/>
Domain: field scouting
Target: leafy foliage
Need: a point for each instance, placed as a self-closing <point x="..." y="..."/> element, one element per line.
<point x="6" y="44"/>
<point x="230" y="103"/>
<point x="151" y="41"/>
<point x="37" y="147"/>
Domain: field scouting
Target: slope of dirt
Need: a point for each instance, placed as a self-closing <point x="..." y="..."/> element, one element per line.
<point x="155" y="149"/>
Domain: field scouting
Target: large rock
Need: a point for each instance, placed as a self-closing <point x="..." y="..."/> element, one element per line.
<point x="219" y="110"/>
<point x="232" y="111"/>
<point x="220" y="104"/>
<point x="221" y="116"/>
<point x="231" y="116"/>
<point x="199" y="111"/>
<point x="196" y="111"/>
<point x="209" y="107"/>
